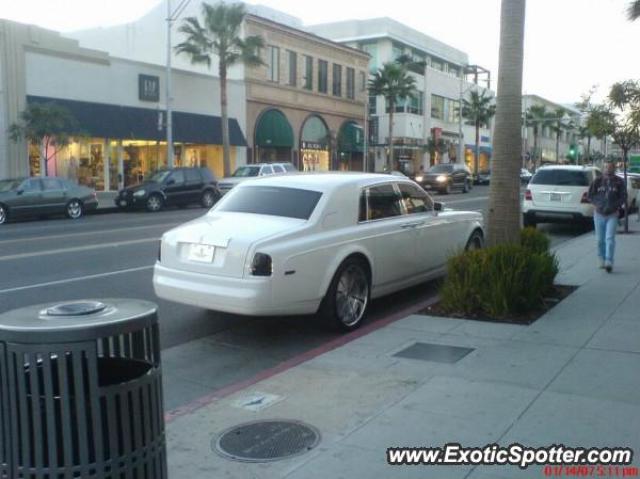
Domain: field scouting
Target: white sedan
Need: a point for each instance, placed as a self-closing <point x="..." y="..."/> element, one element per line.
<point x="304" y="244"/>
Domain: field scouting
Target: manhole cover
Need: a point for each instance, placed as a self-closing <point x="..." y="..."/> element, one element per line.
<point x="264" y="441"/>
<point x="434" y="352"/>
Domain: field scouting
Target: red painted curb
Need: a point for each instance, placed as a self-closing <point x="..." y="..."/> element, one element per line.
<point x="294" y="361"/>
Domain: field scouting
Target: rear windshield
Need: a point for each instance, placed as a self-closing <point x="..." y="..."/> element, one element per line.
<point x="441" y="169"/>
<point x="561" y="178"/>
<point x="271" y="200"/>
<point x="245" y="171"/>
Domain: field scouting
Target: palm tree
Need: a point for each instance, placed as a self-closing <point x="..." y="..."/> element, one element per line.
<point x="478" y="109"/>
<point x="394" y="82"/>
<point x="558" y="127"/>
<point x="633" y="12"/>
<point x="538" y="118"/>
<point x="219" y="36"/>
<point x="503" y="223"/>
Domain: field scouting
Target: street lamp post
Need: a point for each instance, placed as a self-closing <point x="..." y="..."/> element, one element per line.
<point x="168" y="92"/>
<point x="460" y="134"/>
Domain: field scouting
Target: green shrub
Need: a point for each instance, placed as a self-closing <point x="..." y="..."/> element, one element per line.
<point x="499" y="281"/>
<point x="534" y="240"/>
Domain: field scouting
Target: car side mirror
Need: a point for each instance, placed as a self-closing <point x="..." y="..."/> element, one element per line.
<point x="437" y="206"/>
<point x="171" y="182"/>
<point x="19" y="192"/>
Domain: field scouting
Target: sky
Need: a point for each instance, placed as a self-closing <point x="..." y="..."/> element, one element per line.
<point x="570" y="45"/>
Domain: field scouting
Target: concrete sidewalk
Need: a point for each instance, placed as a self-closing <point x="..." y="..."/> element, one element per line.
<point x="572" y="378"/>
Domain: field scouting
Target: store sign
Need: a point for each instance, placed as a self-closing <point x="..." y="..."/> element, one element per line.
<point x="148" y="88"/>
<point x="310" y="145"/>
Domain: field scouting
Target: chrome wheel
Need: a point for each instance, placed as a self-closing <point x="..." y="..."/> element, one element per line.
<point x="154" y="203"/>
<point x="3" y="214"/>
<point x="74" y="209"/>
<point x="352" y="295"/>
<point x="208" y="199"/>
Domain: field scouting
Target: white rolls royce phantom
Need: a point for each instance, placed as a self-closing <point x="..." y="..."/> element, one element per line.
<point x="303" y="244"/>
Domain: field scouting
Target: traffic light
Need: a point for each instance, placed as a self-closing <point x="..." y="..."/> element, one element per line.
<point x="573" y="152"/>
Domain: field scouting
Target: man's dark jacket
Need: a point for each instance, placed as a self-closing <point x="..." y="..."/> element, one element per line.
<point x="608" y="194"/>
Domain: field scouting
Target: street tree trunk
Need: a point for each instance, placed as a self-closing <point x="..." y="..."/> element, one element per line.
<point x="625" y="152"/>
<point x="504" y="194"/>
<point x="588" y="148"/>
<point x="558" y="146"/>
<point x="536" y="161"/>
<point x="226" y="155"/>
<point x="477" y="155"/>
<point x="392" y="107"/>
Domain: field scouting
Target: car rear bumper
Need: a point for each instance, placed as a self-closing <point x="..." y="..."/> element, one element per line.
<point x="558" y="215"/>
<point x="246" y="296"/>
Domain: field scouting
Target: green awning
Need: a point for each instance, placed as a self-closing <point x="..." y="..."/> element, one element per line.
<point x="274" y="130"/>
<point x="350" y="138"/>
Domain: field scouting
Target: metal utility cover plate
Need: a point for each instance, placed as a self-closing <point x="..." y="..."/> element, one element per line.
<point x="267" y="440"/>
<point x="434" y="352"/>
<point x="257" y="401"/>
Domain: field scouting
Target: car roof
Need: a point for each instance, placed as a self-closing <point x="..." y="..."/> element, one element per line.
<point x="325" y="181"/>
<point x="568" y="167"/>
<point x="267" y="164"/>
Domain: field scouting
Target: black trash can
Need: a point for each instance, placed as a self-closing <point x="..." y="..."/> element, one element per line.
<point x="81" y="391"/>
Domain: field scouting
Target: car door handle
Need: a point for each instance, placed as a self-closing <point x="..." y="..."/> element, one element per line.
<point x="415" y="224"/>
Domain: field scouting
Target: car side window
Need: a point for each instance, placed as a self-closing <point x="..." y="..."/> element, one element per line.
<point x="31" y="185"/>
<point x="266" y="170"/>
<point x="362" y="208"/>
<point x="415" y="199"/>
<point x="278" y="169"/>
<point x="193" y="176"/>
<point x="52" y="184"/>
<point x="383" y="202"/>
<point x="177" y="176"/>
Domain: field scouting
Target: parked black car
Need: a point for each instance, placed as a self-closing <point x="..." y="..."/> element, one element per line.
<point x="483" y="178"/>
<point x="446" y="177"/>
<point x="22" y="197"/>
<point x="169" y="187"/>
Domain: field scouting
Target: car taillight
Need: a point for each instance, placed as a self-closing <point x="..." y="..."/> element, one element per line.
<point x="585" y="197"/>
<point x="261" y="265"/>
<point x="528" y="196"/>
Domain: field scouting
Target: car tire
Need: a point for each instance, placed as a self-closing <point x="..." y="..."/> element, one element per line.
<point x="154" y="203"/>
<point x="4" y="214"/>
<point x="208" y="199"/>
<point x="529" y="222"/>
<point x="74" y="209"/>
<point x="349" y="288"/>
<point x="476" y="241"/>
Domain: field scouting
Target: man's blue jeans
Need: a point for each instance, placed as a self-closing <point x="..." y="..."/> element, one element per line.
<point x="606" y="227"/>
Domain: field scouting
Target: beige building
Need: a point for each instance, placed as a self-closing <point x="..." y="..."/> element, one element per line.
<point x="306" y="104"/>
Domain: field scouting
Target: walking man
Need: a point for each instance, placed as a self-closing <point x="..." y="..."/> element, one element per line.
<point x="608" y="194"/>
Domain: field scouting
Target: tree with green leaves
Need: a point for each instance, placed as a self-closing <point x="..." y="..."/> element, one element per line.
<point x="624" y="104"/>
<point x="478" y="110"/>
<point x="633" y="11"/>
<point x="538" y="117"/>
<point x="394" y="82"/>
<point x="219" y="36"/>
<point x="49" y="126"/>
<point x="558" y="126"/>
<point x="503" y="223"/>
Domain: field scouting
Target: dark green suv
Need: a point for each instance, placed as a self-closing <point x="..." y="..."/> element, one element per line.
<point x="172" y="187"/>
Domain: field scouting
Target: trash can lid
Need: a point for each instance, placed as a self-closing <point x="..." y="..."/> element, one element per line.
<point x="77" y="320"/>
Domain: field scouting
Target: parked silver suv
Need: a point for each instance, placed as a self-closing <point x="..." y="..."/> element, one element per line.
<point x="246" y="172"/>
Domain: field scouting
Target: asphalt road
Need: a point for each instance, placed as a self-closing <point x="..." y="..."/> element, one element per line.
<point x="112" y="255"/>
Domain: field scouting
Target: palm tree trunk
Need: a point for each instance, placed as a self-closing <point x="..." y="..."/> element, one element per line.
<point x="558" y="146"/>
<point x="504" y="196"/>
<point x="226" y="156"/>
<point x="390" y="156"/>
<point x="477" y="155"/>
<point x="536" y="161"/>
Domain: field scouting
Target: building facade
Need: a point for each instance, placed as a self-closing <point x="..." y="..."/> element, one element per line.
<point x="426" y="128"/>
<point x="119" y="105"/>
<point x="306" y="104"/>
